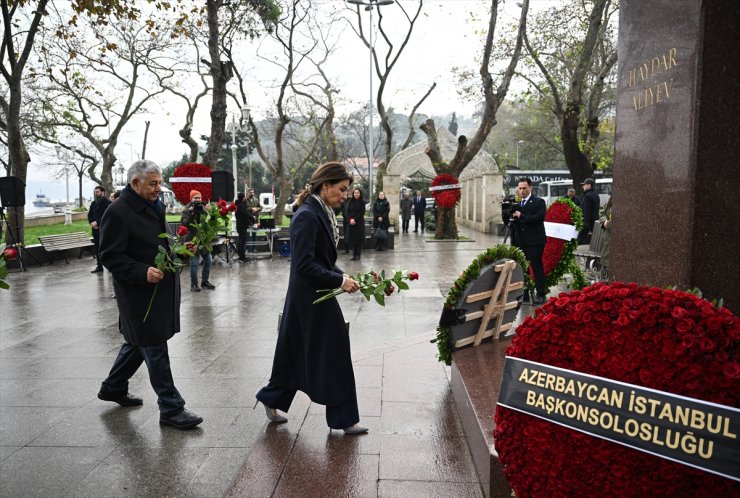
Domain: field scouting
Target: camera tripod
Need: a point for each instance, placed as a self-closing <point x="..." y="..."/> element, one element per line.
<point x="13" y="238"/>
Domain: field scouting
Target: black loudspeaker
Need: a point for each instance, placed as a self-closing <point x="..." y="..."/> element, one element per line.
<point x="222" y="186"/>
<point x="12" y="191"/>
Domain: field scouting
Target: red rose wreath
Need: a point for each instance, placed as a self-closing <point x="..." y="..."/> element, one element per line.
<point x="197" y="176"/>
<point x="445" y="198"/>
<point x="668" y="340"/>
<point x="558" y="258"/>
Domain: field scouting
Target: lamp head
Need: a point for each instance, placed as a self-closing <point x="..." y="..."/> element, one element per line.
<point x="245" y="113"/>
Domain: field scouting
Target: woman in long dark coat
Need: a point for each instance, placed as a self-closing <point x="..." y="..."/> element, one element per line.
<point x="381" y="210"/>
<point x="356" y="216"/>
<point x="313" y="352"/>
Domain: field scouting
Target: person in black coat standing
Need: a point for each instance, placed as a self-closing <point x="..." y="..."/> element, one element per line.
<point x="95" y="217"/>
<point x="313" y="351"/>
<point x="529" y="216"/>
<point x="129" y="242"/>
<point x="590" y="208"/>
<point x="243" y="217"/>
<point x="419" y="202"/>
<point x="381" y="212"/>
<point x="355" y="235"/>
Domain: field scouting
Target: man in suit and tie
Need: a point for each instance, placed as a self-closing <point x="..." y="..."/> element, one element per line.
<point x="419" y="203"/>
<point x="529" y="216"/>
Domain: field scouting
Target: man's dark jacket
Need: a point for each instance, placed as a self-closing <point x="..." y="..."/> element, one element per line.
<point x="530" y="228"/>
<point x="590" y="208"/>
<point x="419" y="205"/>
<point x="129" y="242"/>
<point x="97" y="208"/>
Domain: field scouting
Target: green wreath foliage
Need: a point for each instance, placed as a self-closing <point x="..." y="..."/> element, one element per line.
<point x="472" y="272"/>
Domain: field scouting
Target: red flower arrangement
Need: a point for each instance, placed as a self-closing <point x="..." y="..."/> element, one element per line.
<point x="668" y="340"/>
<point x="6" y="254"/>
<point x="445" y="198"/>
<point x="558" y="258"/>
<point x="191" y="170"/>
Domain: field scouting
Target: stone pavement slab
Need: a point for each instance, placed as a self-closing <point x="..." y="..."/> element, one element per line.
<point x="59" y="337"/>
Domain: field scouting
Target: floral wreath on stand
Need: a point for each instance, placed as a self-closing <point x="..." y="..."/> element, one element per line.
<point x="663" y="339"/>
<point x="191" y="176"/>
<point x="557" y="257"/>
<point x="471" y="273"/>
<point x="446" y="198"/>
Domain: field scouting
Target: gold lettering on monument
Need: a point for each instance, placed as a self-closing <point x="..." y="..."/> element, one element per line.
<point x="656" y="86"/>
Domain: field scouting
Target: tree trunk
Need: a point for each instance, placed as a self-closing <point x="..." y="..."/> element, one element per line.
<point x="446" y="225"/>
<point x="577" y="162"/>
<point x="19" y="158"/>
<point x="218" y="107"/>
<point x="79" y="181"/>
<point x="186" y="135"/>
<point x="146" y="135"/>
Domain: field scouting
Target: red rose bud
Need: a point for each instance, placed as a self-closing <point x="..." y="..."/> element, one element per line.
<point x="223" y="210"/>
<point x="221" y="203"/>
<point x="232" y="207"/>
<point x="390" y="290"/>
<point x="413" y="275"/>
<point x="10" y="253"/>
<point x="182" y="230"/>
<point x="190" y="246"/>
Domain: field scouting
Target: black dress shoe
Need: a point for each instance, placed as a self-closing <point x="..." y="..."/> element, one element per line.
<point x="183" y="420"/>
<point x="205" y="284"/>
<point x="97" y="269"/>
<point x="121" y="399"/>
<point x="540" y="299"/>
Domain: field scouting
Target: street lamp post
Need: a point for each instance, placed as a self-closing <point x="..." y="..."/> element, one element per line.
<point x="369" y="5"/>
<point x="245" y="118"/>
<point x="517" y="152"/>
<point x="65" y="159"/>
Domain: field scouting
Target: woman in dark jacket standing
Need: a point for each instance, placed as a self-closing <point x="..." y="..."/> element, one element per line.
<point x="381" y="210"/>
<point x="356" y="216"/>
<point x="313" y="351"/>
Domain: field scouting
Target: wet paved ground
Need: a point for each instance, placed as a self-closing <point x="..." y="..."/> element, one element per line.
<point x="59" y="337"/>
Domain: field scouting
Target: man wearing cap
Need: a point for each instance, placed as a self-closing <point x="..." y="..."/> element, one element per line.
<point x="590" y="210"/>
<point x="190" y="216"/>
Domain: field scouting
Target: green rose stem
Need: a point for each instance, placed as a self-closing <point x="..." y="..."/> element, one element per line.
<point x="374" y="285"/>
<point x="149" y="308"/>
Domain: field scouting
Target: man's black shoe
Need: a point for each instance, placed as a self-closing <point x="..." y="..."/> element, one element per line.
<point x="97" y="269"/>
<point x="183" y="420"/>
<point x="526" y="297"/>
<point x="540" y="299"/>
<point x="205" y="284"/>
<point x="121" y="399"/>
<point x="194" y="288"/>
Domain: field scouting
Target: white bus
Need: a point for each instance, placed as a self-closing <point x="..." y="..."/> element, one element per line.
<point x="553" y="190"/>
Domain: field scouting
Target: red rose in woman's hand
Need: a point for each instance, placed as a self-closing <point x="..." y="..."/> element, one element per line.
<point x="232" y="207"/>
<point x="182" y="230"/>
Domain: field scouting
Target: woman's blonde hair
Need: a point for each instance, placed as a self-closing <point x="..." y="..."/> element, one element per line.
<point x="331" y="172"/>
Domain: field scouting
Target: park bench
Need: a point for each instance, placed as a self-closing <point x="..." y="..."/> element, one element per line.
<point x="65" y="241"/>
<point x="591" y="253"/>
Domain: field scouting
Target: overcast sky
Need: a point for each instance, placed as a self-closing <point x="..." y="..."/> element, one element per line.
<point x="447" y="34"/>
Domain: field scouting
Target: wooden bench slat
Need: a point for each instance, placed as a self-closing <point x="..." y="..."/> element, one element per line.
<point x="64" y="241"/>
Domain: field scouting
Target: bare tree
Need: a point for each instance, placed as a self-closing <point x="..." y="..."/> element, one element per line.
<point x="249" y="13"/>
<point x="285" y="33"/>
<point x="21" y="21"/>
<point x="575" y="85"/>
<point x="383" y="67"/>
<point x="466" y="150"/>
<point x="99" y="78"/>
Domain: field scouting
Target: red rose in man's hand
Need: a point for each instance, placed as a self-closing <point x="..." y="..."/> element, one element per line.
<point x="232" y="207"/>
<point x="221" y="203"/>
<point x="10" y="253"/>
<point x="223" y="210"/>
<point x="182" y="230"/>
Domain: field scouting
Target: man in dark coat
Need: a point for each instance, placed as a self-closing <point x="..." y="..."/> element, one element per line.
<point x="129" y="243"/>
<point x="95" y="217"/>
<point x="529" y="216"/>
<point x="243" y="217"/>
<point x="590" y="208"/>
<point x="313" y="350"/>
<point x="419" y="202"/>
